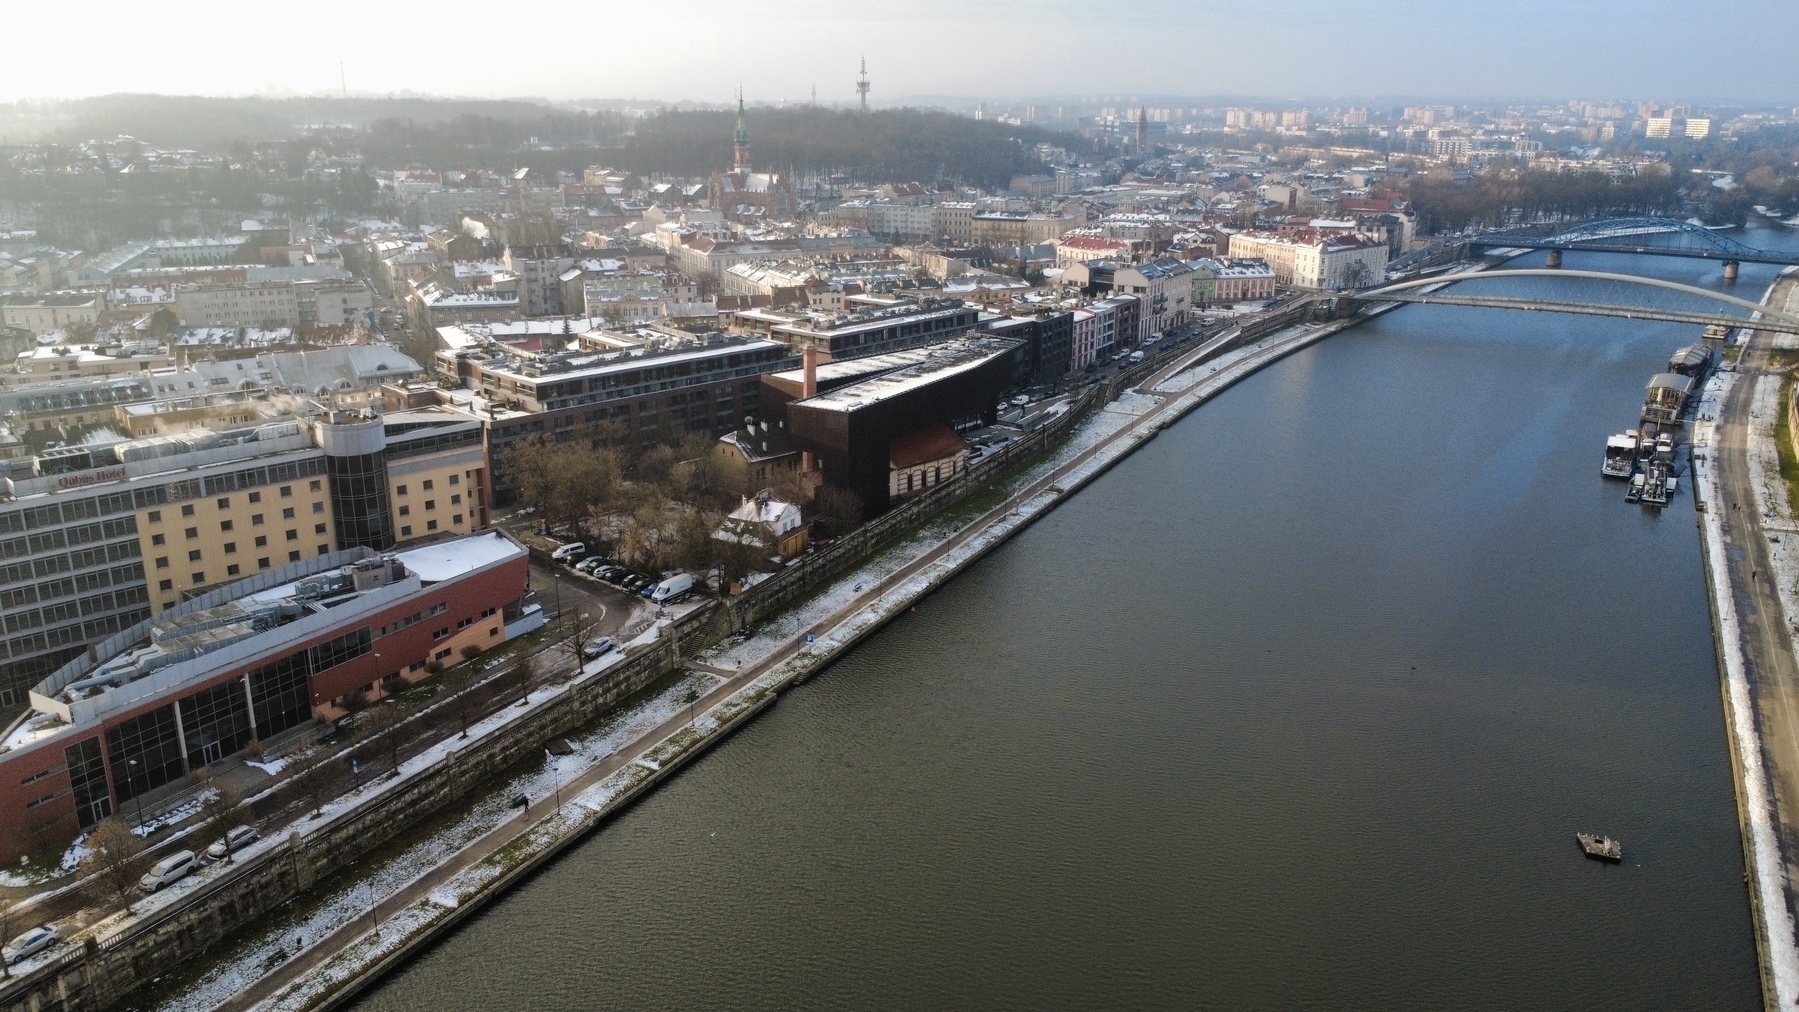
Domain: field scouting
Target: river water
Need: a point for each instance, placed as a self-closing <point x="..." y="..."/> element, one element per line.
<point x="1299" y="707"/>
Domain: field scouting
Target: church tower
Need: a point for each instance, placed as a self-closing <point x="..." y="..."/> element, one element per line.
<point x="740" y="159"/>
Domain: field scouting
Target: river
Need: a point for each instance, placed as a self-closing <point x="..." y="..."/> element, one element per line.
<point x="1299" y="707"/>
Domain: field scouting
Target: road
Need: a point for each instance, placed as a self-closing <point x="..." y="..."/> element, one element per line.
<point x="1766" y="630"/>
<point x="325" y="948"/>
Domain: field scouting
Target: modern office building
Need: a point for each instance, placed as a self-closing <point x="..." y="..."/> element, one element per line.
<point x="245" y="662"/>
<point x="94" y="539"/>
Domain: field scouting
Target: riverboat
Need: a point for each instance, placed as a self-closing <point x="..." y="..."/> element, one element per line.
<point x="1666" y="399"/>
<point x="1620" y="456"/>
<point x="1600" y="848"/>
<point x="1658" y="483"/>
<point x="1694" y="360"/>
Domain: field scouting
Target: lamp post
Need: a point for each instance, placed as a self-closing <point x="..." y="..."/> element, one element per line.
<point x="132" y="780"/>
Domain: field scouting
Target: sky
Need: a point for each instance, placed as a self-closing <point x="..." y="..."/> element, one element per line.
<point x="702" y="50"/>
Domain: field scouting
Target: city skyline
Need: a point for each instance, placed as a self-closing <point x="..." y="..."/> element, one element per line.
<point x="1288" y="50"/>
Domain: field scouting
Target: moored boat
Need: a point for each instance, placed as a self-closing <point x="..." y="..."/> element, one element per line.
<point x="1620" y="456"/>
<point x="1600" y="848"/>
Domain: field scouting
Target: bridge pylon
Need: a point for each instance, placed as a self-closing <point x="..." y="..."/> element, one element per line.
<point x="1554" y="259"/>
<point x="1730" y="270"/>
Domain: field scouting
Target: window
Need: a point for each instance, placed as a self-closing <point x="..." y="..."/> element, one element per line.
<point x="456" y="519"/>
<point x="262" y="563"/>
<point x="287" y="491"/>
<point x="262" y="541"/>
<point x="406" y="531"/>
<point x="430" y="504"/>
<point x="441" y="633"/>
<point x="255" y="496"/>
<point x="427" y="484"/>
<point x="155" y="516"/>
<point x="405" y="511"/>
<point x="231" y="570"/>
<point x="455" y="479"/>
<point x="188" y="510"/>
<point x="430" y="525"/>
<point x="287" y="514"/>
<point x="318" y="528"/>
<point x="456" y="500"/>
<point x="199" y="578"/>
<point x="224" y="502"/>
<point x="230" y="548"/>
<point x="313" y="485"/>
<point x="157" y="539"/>
<point x="193" y="556"/>
<point x="166" y="585"/>
<point x="192" y="533"/>
<point x="293" y="556"/>
<point x="401" y="490"/>
<point x="465" y="623"/>
<point x="318" y="507"/>
<point x="162" y="562"/>
<point x="224" y="525"/>
<point x="324" y="548"/>
<point x="293" y="535"/>
<point x="256" y="520"/>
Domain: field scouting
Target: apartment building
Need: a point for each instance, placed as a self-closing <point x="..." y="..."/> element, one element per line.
<point x="44" y="314"/>
<point x="1308" y="258"/>
<point x="876" y="326"/>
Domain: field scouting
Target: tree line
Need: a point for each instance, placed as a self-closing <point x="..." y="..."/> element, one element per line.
<point x="1498" y="198"/>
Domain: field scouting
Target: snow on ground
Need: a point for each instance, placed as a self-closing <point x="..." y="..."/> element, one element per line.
<point x="273" y="768"/>
<point x="1768" y="870"/>
<point x="294" y="927"/>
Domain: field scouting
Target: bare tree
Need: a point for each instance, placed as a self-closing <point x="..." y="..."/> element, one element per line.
<point x="458" y="699"/>
<point x="580" y="630"/>
<point x="319" y="783"/>
<point x="5" y="933"/>
<point x="115" y="853"/>
<point x="218" y="810"/>
<point x="381" y="727"/>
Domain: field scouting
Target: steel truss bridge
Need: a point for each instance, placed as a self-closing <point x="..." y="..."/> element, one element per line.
<point x="1662" y="237"/>
<point x="1436" y="291"/>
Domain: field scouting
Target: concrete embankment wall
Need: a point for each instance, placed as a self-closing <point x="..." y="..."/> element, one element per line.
<point x="101" y="974"/>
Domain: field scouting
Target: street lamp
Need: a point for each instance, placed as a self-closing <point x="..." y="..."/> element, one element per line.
<point x="131" y="779"/>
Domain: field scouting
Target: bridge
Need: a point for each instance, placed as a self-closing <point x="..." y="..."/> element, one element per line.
<point x="1662" y="237"/>
<point x="1415" y="291"/>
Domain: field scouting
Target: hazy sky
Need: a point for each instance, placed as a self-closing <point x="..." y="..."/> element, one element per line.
<point x="780" y="49"/>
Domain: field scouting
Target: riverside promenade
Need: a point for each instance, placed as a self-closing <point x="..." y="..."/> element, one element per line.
<point x="1750" y="542"/>
<point x="336" y="966"/>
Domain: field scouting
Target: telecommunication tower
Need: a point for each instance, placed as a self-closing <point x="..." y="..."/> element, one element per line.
<point x="862" y="85"/>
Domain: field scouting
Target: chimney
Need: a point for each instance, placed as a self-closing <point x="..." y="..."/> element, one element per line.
<point x="809" y="362"/>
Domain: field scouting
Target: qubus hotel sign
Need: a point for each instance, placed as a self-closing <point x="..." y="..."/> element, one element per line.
<point x="81" y="478"/>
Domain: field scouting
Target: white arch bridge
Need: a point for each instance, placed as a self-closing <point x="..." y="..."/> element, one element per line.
<point x="1431" y="291"/>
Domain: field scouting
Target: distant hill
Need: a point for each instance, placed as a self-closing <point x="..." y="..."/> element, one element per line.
<point x="886" y="144"/>
<point x="896" y="144"/>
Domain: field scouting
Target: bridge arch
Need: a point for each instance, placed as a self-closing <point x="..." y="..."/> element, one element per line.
<point x="1613" y="228"/>
<point x="1375" y="294"/>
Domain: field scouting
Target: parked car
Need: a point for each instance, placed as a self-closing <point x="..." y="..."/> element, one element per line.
<point x="1020" y="401"/>
<point x="29" y="944"/>
<point x="589" y="565"/>
<point x="232" y="842"/>
<point x="171" y="869"/>
<point x="672" y="589"/>
<point x="608" y="573"/>
<point x="569" y="552"/>
<point x="598" y="648"/>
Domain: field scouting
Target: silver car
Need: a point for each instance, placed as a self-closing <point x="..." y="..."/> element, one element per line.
<point x="29" y="944"/>
<point x="237" y="839"/>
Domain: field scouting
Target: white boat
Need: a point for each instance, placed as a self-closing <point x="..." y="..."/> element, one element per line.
<point x="1664" y="447"/>
<point x="1620" y="456"/>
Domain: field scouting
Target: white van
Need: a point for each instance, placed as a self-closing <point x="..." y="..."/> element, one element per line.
<point x="569" y="552"/>
<point x="173" y="868"/>
<point x="673" y="589"/>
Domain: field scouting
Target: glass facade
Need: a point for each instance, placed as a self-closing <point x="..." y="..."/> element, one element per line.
<point x="216" y="722"/>
<point x="283" y="695"/>
<point x="87" y="781"/>
<point x="152" y="740"/>
<point x="359" y="501"/>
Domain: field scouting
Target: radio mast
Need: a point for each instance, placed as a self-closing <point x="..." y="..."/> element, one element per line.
<point x="862" y="85"/>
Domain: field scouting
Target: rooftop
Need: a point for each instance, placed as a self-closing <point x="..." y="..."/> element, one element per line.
<point x="944" y="359"/>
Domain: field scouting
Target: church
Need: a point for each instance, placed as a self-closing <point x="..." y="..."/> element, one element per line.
<point x="748" y="196"/>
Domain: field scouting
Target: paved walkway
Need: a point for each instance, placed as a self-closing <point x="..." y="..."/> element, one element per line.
<point x="1764" y="629"/>
<point x="322" y="950"/>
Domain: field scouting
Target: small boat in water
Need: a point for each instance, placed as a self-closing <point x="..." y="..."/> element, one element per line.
<point x="1620" y="456"/>
<point x="1600" y="848"/>
<point x="1664" y="447"/>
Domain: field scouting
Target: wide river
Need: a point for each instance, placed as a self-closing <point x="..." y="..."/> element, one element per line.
<point x="1299" y="707"/>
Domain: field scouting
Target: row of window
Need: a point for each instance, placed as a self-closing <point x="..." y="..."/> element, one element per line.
<point x="17" y="594"/>
<point x="430" y="525"/>
<point x="20" y="647"/>
<point x="412" y="619"/>
<point x="427" y="485"/>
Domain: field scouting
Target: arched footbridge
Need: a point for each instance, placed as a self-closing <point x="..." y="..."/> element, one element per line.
<point x="1441" y="291"/>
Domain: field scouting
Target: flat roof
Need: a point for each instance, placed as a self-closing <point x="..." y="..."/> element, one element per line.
<point x="946" y="359"/>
